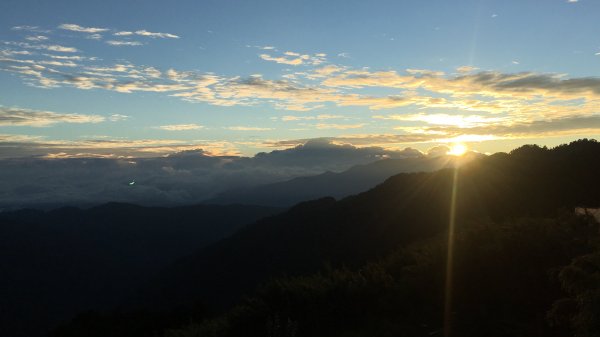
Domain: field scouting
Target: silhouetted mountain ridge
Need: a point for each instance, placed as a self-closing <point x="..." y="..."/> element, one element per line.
<point x="357" y="179"/>
<point x="406" y="208"/>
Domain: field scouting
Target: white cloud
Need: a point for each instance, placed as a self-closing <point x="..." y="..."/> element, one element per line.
<point x="180" y="127"/>
<point x="295" y="59"/>
<point x="53" y="47"/>
<point x="61" y="49"/>
<point x="30" y="29"/>
<point x="307" y="118"/>
<point x="123" y="33"/>
<point x="59" y="63"/>
<point x="24" y="27"/>
<point x="117" y="117"/>
<point x="77" y="28"/>
<point x="155" y="35"/>
<point x="64" y="57"/>
<point x="36" y="38"/>
<point x="9" y="52"/>
<point x="123" y="43"/>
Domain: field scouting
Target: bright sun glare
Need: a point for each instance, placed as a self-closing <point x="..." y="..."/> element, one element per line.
<point x="458" y="149"/>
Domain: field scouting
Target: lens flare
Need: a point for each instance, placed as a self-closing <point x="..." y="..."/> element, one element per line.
<point x="458" y="150"/>
<point x="450" y="257"/>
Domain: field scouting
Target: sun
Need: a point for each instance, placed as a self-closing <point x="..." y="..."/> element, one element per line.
<point x="457" y="149"/>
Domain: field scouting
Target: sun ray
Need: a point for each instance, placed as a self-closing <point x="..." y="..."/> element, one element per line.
<point x="450" y="257"/>
<point x="458" y="149"/>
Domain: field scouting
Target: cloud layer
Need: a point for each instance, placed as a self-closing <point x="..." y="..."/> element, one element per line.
<point x="182" y="178"/>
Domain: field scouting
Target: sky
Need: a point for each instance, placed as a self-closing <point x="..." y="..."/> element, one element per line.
<point x="151" y="78"/>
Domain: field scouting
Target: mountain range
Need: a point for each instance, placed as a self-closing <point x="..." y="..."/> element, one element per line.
<point x="369" y="264"/>
<point x="357" y="179"/>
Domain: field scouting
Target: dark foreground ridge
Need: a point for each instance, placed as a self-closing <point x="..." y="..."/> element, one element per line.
<point x="57" y="263"/>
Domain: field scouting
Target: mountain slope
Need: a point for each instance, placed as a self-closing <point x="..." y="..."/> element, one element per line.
<point x="338" y="185"/>
<point x="530" y="181"/>
<point x="56" y="263"/>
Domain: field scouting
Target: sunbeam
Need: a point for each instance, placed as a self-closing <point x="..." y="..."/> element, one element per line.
<point x="450" y="257"/>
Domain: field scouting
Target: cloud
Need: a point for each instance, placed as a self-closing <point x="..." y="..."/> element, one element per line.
<point x="78" y="28"/>
<point x="29" y="29"/>
<point x="325" y="71"/>
<point x="438" y="151"/>
<point x="383" y="140"/>
<point x="464" y="99"/>
<point x="123" y="43"/>
<point x="466" y="69"/>
<point x="9" y="53"/>
<point x="519" y="88"/>
<point x="36" y="38"/>
<point x="91" y="171"/>
<point x="282" y="60"/>
<point x="530" y="129"/>
<point x="506" y="93"/>
<point x="107" y="147"/>
<point x="463" y="121"/>
<point x="65" y="57"/>
<point x="155" y="35"/>
<point x="181" y="127"/>
<point x="305" y="118"/>
<point x="59" y="48"/>
<point x="59" y="63"/>
<point x="94" y="37"/>
<point x="123" y="33"/>
<point x="12" y="116"/>
<point x="118" y="117"/>
<point x="24" y="27"/>
<point x="326" y="126"/>
<point x="295" y="59"/>
<point x="363" y="78"/>
<point x="53" y="47"/>
<point x="247" y="128"/>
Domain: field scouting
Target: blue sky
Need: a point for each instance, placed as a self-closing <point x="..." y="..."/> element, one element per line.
<point x="145" y="78"/>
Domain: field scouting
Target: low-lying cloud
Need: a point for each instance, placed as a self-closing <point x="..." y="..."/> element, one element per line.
<point x="181" y="178"/>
